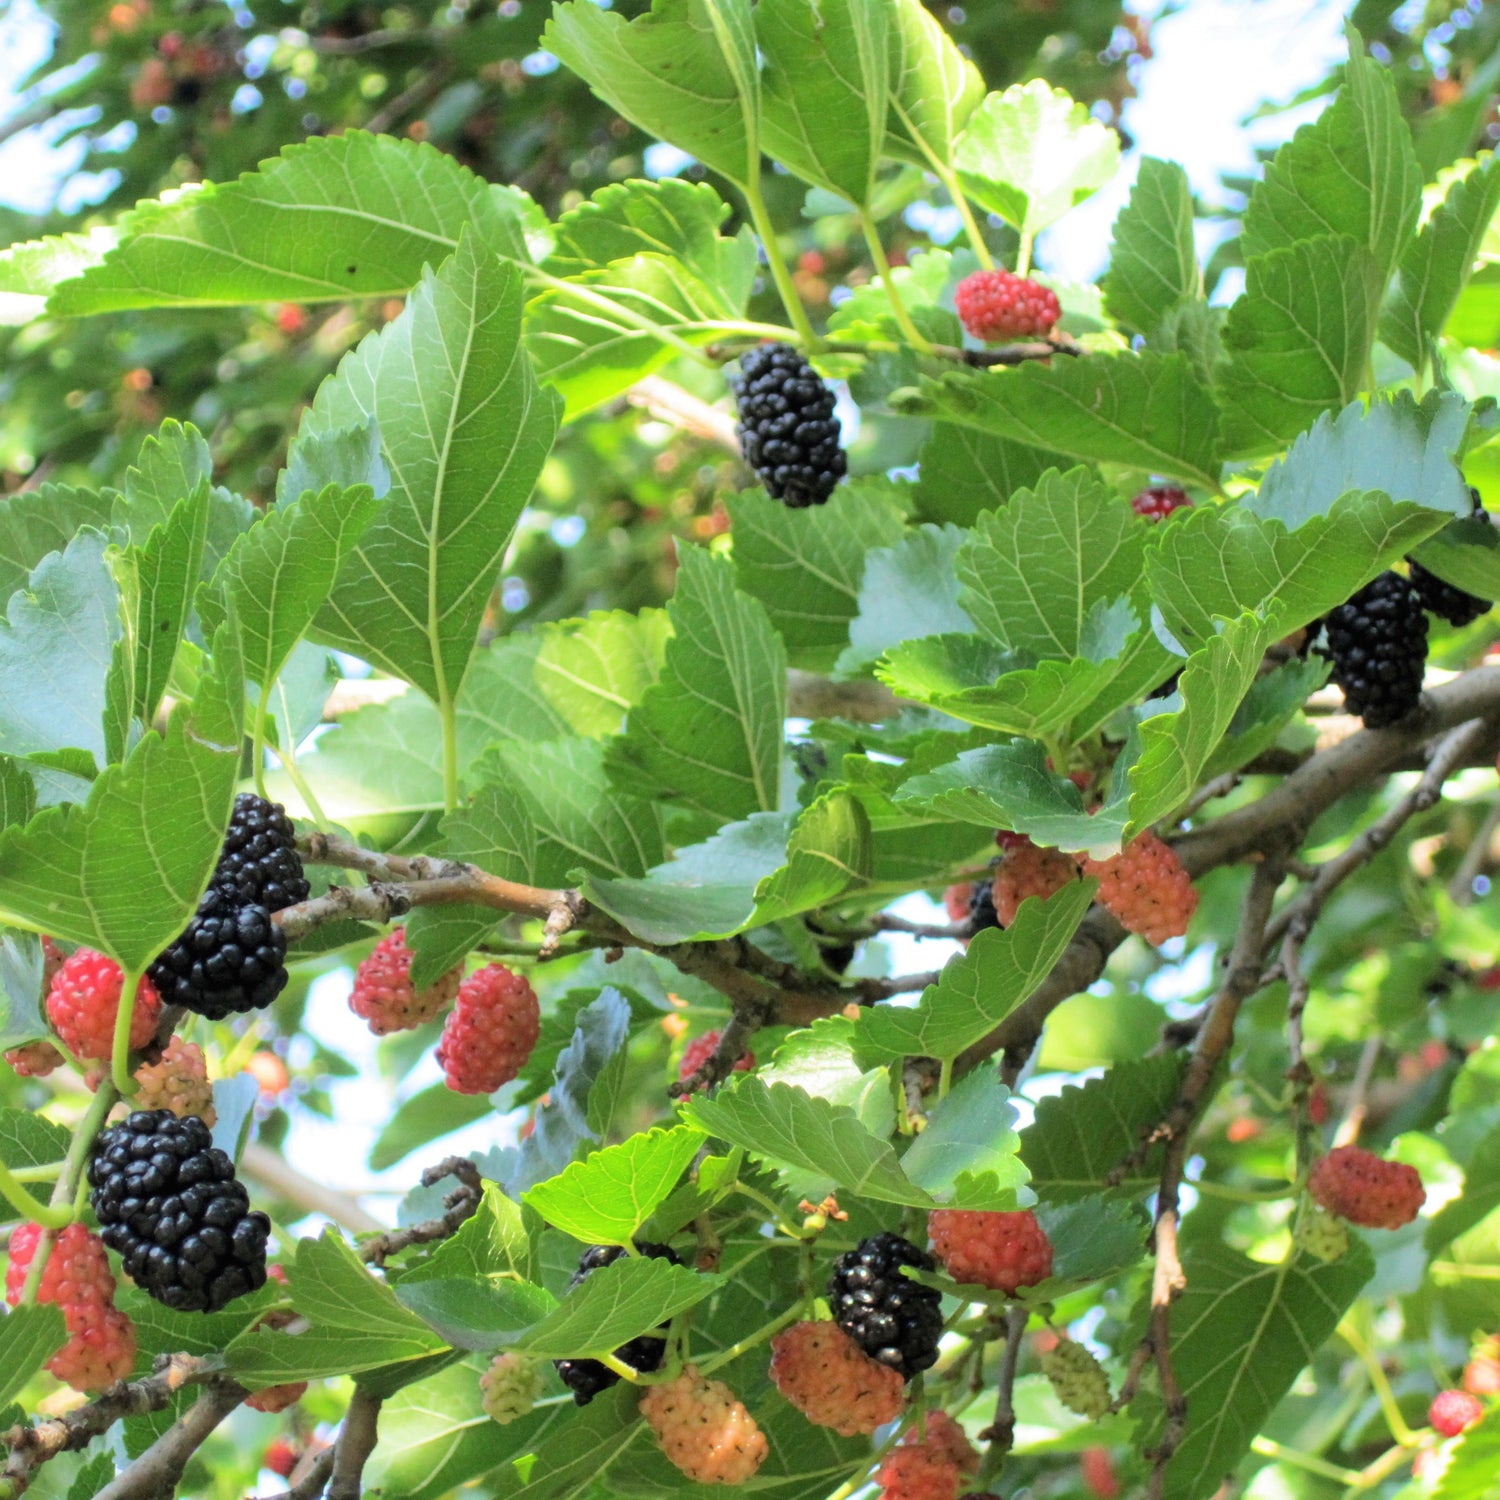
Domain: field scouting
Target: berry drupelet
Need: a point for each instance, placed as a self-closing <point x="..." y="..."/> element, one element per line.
<point x="1377" y="643"/>
<point x="587" y="1377"/>
<point x="895" y="1320"/>
<point x="168" y="1202"/>
<point x="787" y="428"/>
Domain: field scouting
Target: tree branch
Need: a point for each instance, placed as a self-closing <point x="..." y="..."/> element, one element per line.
<point x="461" y="1204"/>
<point x="356" y="1442"/>
<point x="157" y="1471"/>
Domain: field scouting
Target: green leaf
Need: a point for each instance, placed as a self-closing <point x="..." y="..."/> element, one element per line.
<point x="28" y="1140"/>
<point x="36" y="522"/>
<point x="1274" y="700"/>
<point x="1466" y="554"/>
<point x="435" y="1436"/>
<point x="559" y="679"/>
<point x="687" y="73"/>
<point x="496" y="1239"/>
<point x="820" y="1060"/>
<point x="586" y="335"/>
<point x="346" y="457"/>
<point x="789" y="1128"/>
<point x="1008" y="786"/>
<point x="964" y="471"/>
<point x="825" y="88"/>
<point x="614" y="1304"/>
<point x="908" y="589"/>
<point x="29" y="1337"/>
<point x="163" y="809"/>
<point x="708" y="734"/>
<point x="980" y="987"/>
<point x="476" y="1314"/>
<point x="464" y="429"/>
<point x="1351" y="172"/>
<point x="1095" y="1238"/>
<point x="335" y="217"/>
<point x="1033" y="572"/>
<point x="1481" y="1196"/>
<point x="61" y="629"/>
<point x="587" y="1074"/>
<point x="1216" y="563"/>
<point x="1393" y="445"/>
<point x="1241" y="1333"/>
<point x="672" y="218"/>
<point x="31" y="269"/>
<point x="934" y="87"/>
<point x="156" y="580"/>
<point x="21" y="991"/>
<point x="966" y="1154"/>
<point x="278" y="574"/>
<point x="1296" y="341"/>
<point x="1148" y="410"/>
<point x="567" y="1465"/>
<point x="93" y="1475"/>
<point x="1032" y="153"/>
<point x="424" y="1117"/>
<point x="1438" y="263"/>
<point x="1153" y="265"/>
<point x="1079" y="1136"/>
<point x="1473" y="1464"/>
<point x="827" y="855"/>
<point x="357" y="1323"/>
<point x="606" y="1198"/>
<point x="805" y="565"/>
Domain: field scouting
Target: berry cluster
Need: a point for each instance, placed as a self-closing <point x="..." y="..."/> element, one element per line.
<point x="510" y="1387"/>
<point x="1025" y="870"/>
<point x="84" y="999"/>
<point x="787" y="428"/>
<point x="895" y="1320"/>
<point x="1145" y="888"/>
<point x="1357" y="1185"/>
<point x="704" y="1429"/>
<point x="587" y="1377"/>
<point x="832" y="1381"/>
<point x="1003" y="1251"/>
<point x="168" y="1202"/>
<point x="232" y="958"/>
<point x="490" y="1032"/>
<point x="177" y="1081"/>
<point x="1156" y="502"/>
<point x="384" y="996"/>
<point x="1377" y="643"/>
<point x="700" y="1049"/>
<point x="101" y="1340"/>
<point x="998" y="305"/>
<point x="1444" y="600"/>
<point x="931" y="1462"/>
<point x="1077" y="1378"/>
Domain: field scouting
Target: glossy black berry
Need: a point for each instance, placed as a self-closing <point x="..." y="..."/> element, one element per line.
<point x="259" y="862"/>
<point x="587" y="1377"/>
<point x="895" y="1320"/>
<point x="1444" y="600"/>
<point x="167" y="1200"/>
<point x="787" y="429"/>
<point x="1377" y="643"/>
<point x="232" y="958"/>
<point x="982" y="912"/>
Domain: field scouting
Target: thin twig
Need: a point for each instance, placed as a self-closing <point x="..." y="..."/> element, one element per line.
<point x="356" y="1442"/>
<point x="1001" y="1433"/>
<point x="157" y="1471"/>
<point x="462" y="1203"/>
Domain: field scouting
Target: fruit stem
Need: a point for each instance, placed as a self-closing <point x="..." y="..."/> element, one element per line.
<point x="949" y="179"/>
<point x="120" y="1060"/>
<point x="767" y="1331"/>
<point x="29" y="1207"/>
<point x="1270" y="1448"/>
<point x="909" y="330"/>
<point x="782" y="1222"/>
<point x="945" y="1079"/>
<point x="1023" y="254"/>
<point x="760" y="216"/>
<point x="1382" y="1387"/>
<point x="70" y="1180"/>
